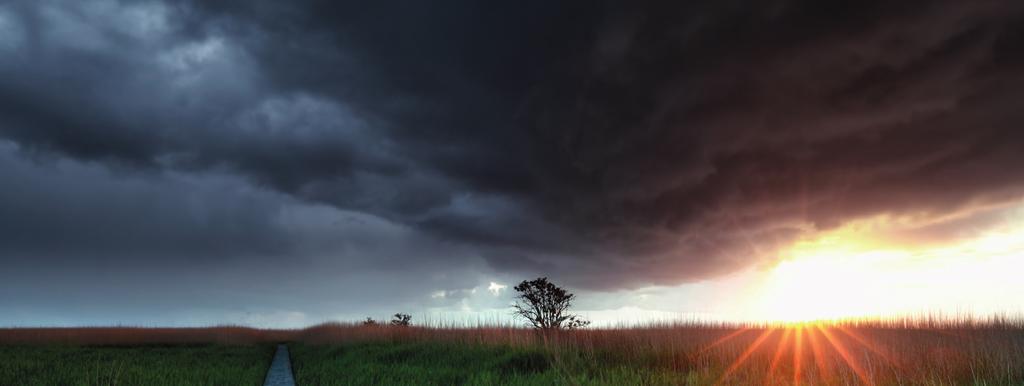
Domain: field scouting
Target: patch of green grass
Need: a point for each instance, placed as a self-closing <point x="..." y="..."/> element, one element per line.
<point x="440" y="363"/>
<point x="171" y="365"/>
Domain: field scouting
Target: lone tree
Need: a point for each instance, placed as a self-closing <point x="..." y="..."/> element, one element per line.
<point x="401" y="320"/>
<point x="369" y="322"/>
<point x="544" y="305"/>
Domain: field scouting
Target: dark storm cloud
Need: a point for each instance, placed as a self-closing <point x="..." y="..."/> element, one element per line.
<point x="718" y="132"/>
<point x="614" y="145"/>
<point x="51" y="212"/>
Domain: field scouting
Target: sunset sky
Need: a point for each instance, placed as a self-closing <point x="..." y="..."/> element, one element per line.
<point x="281" y="164"/>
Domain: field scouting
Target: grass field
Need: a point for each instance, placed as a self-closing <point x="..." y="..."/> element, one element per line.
<point x="894" y="352"/>
<point x="898" y="352"/>
<point x="136" y="356"/>
<point x="172" y="365"/>
<point x="439" y="363"/>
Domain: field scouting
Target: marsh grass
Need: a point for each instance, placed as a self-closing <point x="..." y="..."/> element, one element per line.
<point x="127" y="336"/>
<point x="894" y="351"/>
<point x="898" y="351"/>
<point x="226" y="355"/>
<point x="171" y="365"/>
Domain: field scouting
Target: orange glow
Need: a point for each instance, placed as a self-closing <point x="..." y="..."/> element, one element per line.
<point x="851" y="274"/>
<point x="818" y="351"/>
<point x="798" y="347"/>
<point x="827" y="347"/>
<point x="779" y="350"/>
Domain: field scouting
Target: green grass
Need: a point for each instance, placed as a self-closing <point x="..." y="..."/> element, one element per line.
<point x="440" y="363"/>
<point x="171" y="365"/>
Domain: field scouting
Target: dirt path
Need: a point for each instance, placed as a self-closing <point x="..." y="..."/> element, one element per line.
<point x="280" y="372"/>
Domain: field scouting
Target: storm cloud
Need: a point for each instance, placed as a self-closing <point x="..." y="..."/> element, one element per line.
<point x="612" y="145"/>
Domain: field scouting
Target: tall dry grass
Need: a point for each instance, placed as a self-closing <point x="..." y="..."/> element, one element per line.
<point x="126" y="336"/>
<point x="899" y="351"/>
<point x="938" y="351"/>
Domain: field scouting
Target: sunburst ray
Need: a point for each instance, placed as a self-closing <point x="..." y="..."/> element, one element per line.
<point x="725" y="339"/>
<point x="746" y="354"/>
<point x="798" y="348"/>
<point x="838" y="346"/>
<point x="818" y="351"/>
<point x="783" y="343"/>
<point x="871" y="346"/>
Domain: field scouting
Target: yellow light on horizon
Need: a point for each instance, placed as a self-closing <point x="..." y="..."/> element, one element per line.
<point x="845" y="274"/>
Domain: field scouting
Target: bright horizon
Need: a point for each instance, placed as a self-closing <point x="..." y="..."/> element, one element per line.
<point x="855" y="272"/>
<point x="851" y="273"/>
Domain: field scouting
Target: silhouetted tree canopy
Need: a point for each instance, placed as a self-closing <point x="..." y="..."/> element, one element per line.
<point x="545" y="305"/>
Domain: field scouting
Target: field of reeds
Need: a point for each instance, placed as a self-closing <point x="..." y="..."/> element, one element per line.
<point x="878" y="352"/>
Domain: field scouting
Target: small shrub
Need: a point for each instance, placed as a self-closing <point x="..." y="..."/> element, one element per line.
<point x="401" y="320"/>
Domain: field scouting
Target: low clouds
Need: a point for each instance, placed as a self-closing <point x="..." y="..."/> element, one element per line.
<point x="612" y="146"/>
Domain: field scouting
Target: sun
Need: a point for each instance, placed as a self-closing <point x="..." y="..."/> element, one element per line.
<point x="830" y="284"/>
<point x="824" y="286"/>
<point x="846" y="275"/>
<point x="835" y="276"/>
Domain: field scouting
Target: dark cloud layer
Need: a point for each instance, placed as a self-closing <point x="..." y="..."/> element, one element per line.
<point x="613" y="145"/>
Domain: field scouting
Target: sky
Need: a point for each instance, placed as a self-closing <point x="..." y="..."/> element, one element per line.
<point x="282" y="164"/>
